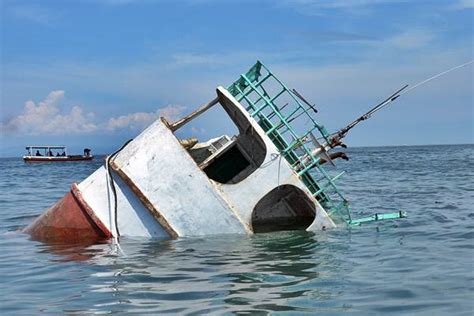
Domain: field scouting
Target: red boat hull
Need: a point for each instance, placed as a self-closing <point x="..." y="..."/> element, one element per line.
<point x="69" y="220"/>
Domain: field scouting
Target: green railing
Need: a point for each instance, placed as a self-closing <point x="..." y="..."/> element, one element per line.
<point x="289" y="124"/>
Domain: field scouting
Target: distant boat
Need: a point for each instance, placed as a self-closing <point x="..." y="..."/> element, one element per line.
<point x="54" y="153"/>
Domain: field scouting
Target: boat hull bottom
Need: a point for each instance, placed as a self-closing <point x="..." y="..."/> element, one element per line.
<point x="67" y="221"/>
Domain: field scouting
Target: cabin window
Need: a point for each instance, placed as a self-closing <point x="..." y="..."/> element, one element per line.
<point x="236" y="151"/>
<point x="227" y="166"/>
<point x="284" y="208"/>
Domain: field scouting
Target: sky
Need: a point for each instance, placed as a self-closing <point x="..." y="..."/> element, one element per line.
<point x="87" y="73"/>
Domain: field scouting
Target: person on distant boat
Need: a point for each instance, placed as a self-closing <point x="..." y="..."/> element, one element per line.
<point x="57" y="154"/>
<point x="63" y="154"/>
<point x="50" y="153"/>
<point x="38" y="153"/>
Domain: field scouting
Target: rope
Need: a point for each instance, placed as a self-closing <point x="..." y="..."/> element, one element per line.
<point x="279" y="167"/>
<point x="341" y="133"/>
<point x="112" y="183"/>
<point x="436" y="76"/>
<point x="417" y="85"/>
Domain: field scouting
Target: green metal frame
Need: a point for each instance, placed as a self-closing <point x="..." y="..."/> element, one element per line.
<point x="378" y="217"/>
<point x="278" y="122"/>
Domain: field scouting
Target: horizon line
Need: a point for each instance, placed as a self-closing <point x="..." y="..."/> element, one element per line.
<point x="368" y="146"/>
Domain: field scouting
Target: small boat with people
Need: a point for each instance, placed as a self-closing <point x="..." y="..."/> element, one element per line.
<point x="54" y="153"/>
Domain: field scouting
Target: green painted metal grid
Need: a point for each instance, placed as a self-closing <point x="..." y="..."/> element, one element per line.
<point x="260" y="91"/>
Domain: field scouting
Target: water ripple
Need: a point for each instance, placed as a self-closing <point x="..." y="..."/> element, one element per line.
<point x="420" y="265"/>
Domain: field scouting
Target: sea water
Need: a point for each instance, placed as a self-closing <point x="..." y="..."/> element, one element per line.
<point x="420" y="265"/>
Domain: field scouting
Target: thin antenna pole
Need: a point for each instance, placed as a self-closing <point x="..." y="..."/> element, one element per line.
<point x="436" y="76"/>
<point x="342" y="133"/>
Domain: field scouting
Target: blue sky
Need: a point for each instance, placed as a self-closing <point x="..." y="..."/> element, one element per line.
<point x="95" y="73"/>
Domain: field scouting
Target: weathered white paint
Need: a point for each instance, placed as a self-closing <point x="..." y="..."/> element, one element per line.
<point x="243" y="196"/>
<point x="181" y="192"/>
<point x="133" y="218"/>
<point x="171" y="180"/>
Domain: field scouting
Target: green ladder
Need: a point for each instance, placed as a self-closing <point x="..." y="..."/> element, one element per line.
<point x="289" y="124"/>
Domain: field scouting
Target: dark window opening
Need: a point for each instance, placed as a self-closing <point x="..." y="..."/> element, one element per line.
<point x="284" y="208"/>
<point x="227" y="166"/>
<point x="226" y="158"/>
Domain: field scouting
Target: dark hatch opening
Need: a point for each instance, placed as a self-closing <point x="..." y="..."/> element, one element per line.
<point x="228" y="165"/>
<point x="225" y="159"/>
<point x="283" y="208"/>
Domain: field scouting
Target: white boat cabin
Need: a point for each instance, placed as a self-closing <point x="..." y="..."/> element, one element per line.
<point x="46" y="151"/>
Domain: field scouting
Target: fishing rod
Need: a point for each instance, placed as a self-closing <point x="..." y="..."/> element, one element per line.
<point x="343" y="131"/>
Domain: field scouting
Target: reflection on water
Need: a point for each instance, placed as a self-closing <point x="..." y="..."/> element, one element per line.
<point x="77" y="252"/>
<point x="260" y="273"/>
<point x="420" y="265"/>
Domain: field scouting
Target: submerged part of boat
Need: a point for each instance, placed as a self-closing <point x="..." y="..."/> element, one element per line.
<point x="69" y="219"/>
<point x="270" y="176"/>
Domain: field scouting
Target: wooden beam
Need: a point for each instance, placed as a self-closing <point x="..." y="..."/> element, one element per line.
<point x="193" y="115"/>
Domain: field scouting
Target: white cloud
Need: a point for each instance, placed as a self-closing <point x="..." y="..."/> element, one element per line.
<point x="321" y="7"/>
<point x="137" y="120"/>
<point x="140" y="120"/>
<point x="198" y="130"/>
<point x="338" y="4"/>
<point x="464" y="4"/>
<point x="184" y="59"/>
<point x="411" y="39"/>
<point x="119" y="2"/>
<point x="46" y="118"/>
<point x="171" y="112"/>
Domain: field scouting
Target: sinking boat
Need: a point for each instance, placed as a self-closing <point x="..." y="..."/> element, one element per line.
<point x="275" y="174"/>
<point x="54" y="154"/>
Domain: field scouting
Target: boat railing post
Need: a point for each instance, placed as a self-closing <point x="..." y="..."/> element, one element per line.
<point x="194" y="114"/>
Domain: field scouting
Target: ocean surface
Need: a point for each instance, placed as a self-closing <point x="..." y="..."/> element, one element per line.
<point x="420" y="265"/>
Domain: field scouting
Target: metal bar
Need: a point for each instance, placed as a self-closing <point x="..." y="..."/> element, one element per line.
<point x="329" y="179"/>
<point x="377" y="217"/>
<point x="259" y="83"/>
<point x="323" y="189"/>
<point x="260" y="115"/>
<point x="271" y="105"/>
<point x="243" y="94"/>
<point x="295" y="98"/>
<point x="273" y="114"/>
<point x="293" y="148"/>
<point x="299" y="140"/>
<point x="194" y="114"/>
